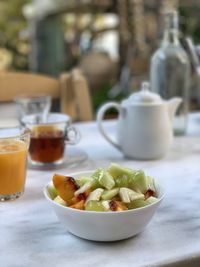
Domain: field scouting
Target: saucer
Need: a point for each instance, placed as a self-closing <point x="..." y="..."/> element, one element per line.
<point x="73" y="156"/>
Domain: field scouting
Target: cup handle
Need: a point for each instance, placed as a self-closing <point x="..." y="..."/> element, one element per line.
<point x="100" y="116"/>
<point x="73" y="136"/>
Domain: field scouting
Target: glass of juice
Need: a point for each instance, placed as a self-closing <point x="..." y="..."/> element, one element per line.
<point x="49" y="138"/>
<point x="14" y="143"/>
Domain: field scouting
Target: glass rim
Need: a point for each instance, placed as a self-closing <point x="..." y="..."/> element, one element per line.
<point x="32" y="97"/>
<point x="63" y="118"/>
<point x="24" y="131"/>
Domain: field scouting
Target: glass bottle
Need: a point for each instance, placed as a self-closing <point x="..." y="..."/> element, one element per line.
<point x="170" y="70"/>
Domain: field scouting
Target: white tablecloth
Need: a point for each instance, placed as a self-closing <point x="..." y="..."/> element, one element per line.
<point x="30" y="234"/>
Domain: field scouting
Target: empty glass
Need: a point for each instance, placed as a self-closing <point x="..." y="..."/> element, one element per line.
<point x="31" y="104"/>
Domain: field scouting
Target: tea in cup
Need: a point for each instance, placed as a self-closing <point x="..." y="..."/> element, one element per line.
<point x="14" y="143"/>
<point x="49" y="138"/>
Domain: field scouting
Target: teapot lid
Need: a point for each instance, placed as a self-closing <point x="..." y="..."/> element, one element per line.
<point x="144" y="96"/>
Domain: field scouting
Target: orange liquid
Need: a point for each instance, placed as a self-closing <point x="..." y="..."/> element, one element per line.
<point x="13" y="157"/>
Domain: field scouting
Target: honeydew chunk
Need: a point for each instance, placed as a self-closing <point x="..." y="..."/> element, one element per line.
<point x="139" y="203"/>
<point x="109" y="194"/>
<point x="96" y="176"/>
<point x="83" y="180"/>
<point x="127" y="195"/>
<point x="94" y="206"/>
<point x="94" y="195"/>
<point x="107" y="181"/>
<point x="122" y="181"/>
<point x="123" y="176"/>
<point x="52" y="191"/>
<point x="96" y="184"/>
<point x="142" y="183"/>
<point x="102" y="179"/>
<point x="83" y="188"/>
<point x="118" y="171"/>
<point x="60" y="201"/>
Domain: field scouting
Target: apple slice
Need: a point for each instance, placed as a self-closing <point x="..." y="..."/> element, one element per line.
<point x="94" y="195"/>
<point x="66" y="186"/>
<point x="105" y="204"/>
<point x="107" y="181"/>
<point x="127" y="195"/>
<point x="83" y="188"/>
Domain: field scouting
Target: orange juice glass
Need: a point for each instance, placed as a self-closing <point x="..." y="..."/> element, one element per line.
<point x="14" y="143"/>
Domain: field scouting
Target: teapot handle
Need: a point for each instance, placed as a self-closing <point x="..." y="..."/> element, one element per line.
<point x="100" y="116"/>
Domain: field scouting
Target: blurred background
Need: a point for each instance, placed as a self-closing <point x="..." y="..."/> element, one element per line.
<point x="112" y="41"/>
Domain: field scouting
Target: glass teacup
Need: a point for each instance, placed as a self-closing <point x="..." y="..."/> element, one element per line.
<point x="49" y="138"/>
<point x="14" y="143"/>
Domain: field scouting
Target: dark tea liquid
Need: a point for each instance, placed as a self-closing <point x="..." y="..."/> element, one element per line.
<point x="47" y="144"/>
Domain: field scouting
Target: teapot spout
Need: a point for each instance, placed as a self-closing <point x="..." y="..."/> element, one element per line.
<point x="173" y="104"/>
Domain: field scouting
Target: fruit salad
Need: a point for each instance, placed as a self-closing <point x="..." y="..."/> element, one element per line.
<point x="116" y="188"/>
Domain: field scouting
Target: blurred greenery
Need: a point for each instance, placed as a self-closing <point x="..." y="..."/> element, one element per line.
<point x="15" y="41"/>
<point x="12" y="22"/>
<point x="190" y="21"/>
<point x="102" y="96"/>
<point x="14" y="33"/>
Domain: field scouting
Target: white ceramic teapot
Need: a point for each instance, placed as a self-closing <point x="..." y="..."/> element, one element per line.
<point x="144" y="124"/>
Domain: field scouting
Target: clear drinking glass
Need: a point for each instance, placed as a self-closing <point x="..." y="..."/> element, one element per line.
<point x="49" y="139"/>
<point x="31" y="104"/>
<point x="14" y="143"/>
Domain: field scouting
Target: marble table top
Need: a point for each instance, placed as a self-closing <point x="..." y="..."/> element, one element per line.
<point x="30" y="234"/>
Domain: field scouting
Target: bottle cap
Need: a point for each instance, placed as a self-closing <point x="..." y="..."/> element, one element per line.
<point x="171" y="19"/>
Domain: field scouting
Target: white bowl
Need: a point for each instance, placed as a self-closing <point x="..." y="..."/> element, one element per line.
<point x="104" y="226"/>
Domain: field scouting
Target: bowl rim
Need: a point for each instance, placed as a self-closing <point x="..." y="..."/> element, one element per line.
<point x="45" y="192"/>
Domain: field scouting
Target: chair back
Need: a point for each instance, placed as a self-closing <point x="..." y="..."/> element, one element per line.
<point x="71" y="89"/>
<point x="13" y="84"/>
<point x="76" y="96"/>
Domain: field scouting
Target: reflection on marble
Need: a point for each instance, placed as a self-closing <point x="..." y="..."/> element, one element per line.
<point x="32" y="236"/>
